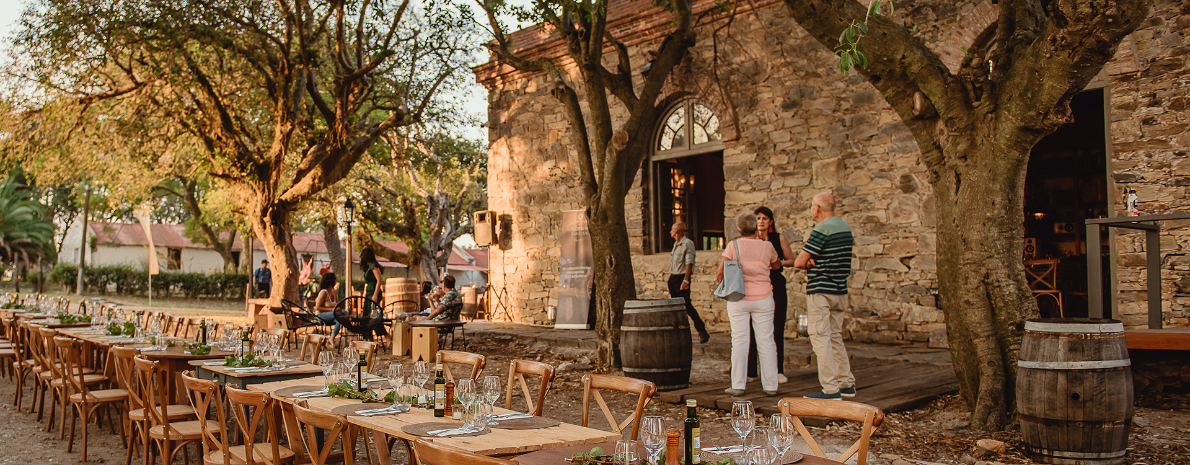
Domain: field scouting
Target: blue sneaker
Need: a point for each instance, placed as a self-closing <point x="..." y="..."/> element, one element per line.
<point x="847" y="391"/>
<point x="823" y="395"/>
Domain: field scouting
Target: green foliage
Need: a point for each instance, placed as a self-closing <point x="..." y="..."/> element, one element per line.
<point x="68" y="319"/>
<point x="114" y="329"/>
<point x="25" y="230"/>
<point x="596" y="456"/>
<point x="249" y="360"/>
<point x="129" y="281"/>
<point x="198" y="348"/>
<point x="346" y="391"/>
<point x="848" y="48"/>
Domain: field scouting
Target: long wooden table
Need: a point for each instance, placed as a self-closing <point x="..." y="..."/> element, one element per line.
<point x="294" y="370"/>
<point x="558" y="456"/>
<point x="497" y="442"/>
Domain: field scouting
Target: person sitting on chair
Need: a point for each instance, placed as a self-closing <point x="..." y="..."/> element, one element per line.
<point x="324" y="303"/>
<point x="449" y="305"/>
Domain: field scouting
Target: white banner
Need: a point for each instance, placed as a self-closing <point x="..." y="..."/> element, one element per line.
<point x="576" y="273"/>
<point x="142" y="214"/>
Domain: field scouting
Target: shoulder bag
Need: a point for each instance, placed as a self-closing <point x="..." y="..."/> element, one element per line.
<point x="731" y="288"/>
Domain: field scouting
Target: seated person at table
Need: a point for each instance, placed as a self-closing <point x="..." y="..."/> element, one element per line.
<point x="450" y="305"/>
<point x="324" y="303"/>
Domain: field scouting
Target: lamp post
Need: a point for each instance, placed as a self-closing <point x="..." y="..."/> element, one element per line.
<point x="349" y="215"/>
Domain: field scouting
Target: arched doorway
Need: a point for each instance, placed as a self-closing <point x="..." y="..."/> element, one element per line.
<point x="686" y="176"/>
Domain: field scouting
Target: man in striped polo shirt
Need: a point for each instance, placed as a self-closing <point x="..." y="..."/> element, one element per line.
<point x="827" y="259"/>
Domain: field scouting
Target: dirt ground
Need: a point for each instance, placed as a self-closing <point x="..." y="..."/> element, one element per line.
<point x="937" y="433"/>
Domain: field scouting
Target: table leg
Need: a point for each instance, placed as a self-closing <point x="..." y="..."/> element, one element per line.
<point x="293" y="432"/>
<point x="382" y="452"/>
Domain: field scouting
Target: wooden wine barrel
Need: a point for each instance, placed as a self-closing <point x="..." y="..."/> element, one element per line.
<point x="404" y="291"/>
<point x="655" y="342"/>
<point x="1074" y="391"/>
<point x="470" y="298"/>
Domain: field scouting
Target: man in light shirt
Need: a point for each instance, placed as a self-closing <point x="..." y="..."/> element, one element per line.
<point x="681" y="268"/>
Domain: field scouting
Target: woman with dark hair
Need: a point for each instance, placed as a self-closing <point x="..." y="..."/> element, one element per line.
<point x="373" y="273"/>
<point x="324" y="303"/>
<point x="766" y="230"/>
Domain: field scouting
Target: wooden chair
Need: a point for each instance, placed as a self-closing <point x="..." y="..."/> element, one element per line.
<point x="870" y="416"/>
<point x="193" y="328"/>
<point x="1043" y="280"/>
<point x="163" y="433"/>
<point x="593" y="383"/>
<point x="24" y="364"/>
<point x="252" y="411"/>
<point x="312" y="345"/>
<point x="281" y="333"/>
<point x="202" y="394"/>
<point x="368" y="348"/>
<point x="429" y="453"/>
<point x="334" y="427"/>
<point x="447" y="357"/>
<point x="85" y="400"/>
<point x="517" y="371"/>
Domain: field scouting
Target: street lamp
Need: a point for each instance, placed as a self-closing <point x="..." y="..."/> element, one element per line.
<point x="349" y="216"/>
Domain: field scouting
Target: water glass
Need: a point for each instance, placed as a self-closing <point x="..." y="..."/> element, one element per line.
<point x="652" y="434"/>
<point x="491" y="393"/>
<point x="465" y="392"/>
<point x="781" y="433"/>
<point x="626" y="453"/>
<point x="396" y="379"/>
<point x="326" y="361"/>
<point x="743" y="418"/>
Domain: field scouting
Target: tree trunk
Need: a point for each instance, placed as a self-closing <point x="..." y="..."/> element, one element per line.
<point x="274" y="228"/>
<point x="614" y="279"/>
<point x="334" y="248"/>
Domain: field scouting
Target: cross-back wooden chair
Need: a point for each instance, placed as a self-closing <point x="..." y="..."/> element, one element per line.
<point x="368" y="348"/>
<point x="281" y="333"/>
<point x="448" y="357"/>
<point x="516" y="373"/>
<point x="255" y="411"/>
<point x="203" y="395"/>
<point x="24" y="364"/>
<point x="41" y="381"/>
<point x="312" y="345"/>
<point x="52" y="375"/>
<point x="171" y="326"/>
<point x="193" y="327"/>
<point x="164" y="433"/>
<point x="1042" y="276"/>
<point x="593" y="383"/>
<point x="429" y="453"/>
<point x="334" y="427"/>
<point x="870" y="416"/>
<point x="84" y="399"/>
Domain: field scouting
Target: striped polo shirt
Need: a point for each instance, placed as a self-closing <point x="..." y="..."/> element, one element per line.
<point x="830" y="246"/>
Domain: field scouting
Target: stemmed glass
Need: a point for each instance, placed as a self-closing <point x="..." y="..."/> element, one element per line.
<point x="275" y="348"/>
<point x="421" y="373"/>
<point x="465" y="392"/>
<point x="760" y="451"/>
<point x="781" y="433"/>
<point x="652" y="434"/>
<point x="743" y="419"/>
<point x="326" y="361"/>
<point x="491" y="393"/>
<point x="396" y="379"/>
<point x="626" y="453"/>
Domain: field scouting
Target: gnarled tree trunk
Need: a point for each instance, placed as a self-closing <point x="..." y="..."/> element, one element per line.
<point x="614" y="280"/>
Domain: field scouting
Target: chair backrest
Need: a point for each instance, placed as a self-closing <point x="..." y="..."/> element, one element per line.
<point x="516" y="373"/>
<point x="203" y="394"/>
<point x="368" y="348"/>
<point x="193" y="329"/>
<point x="253" y="410"/>
<point x="312" y="345"/>
<point x="870" y="416"/>
<point x="475" y="361"/>
<point x="126" y="375"/>
<point x="70" y="356"/>
<point x="429" y="453"/>
<point x="334" y="425"/>
<point x="49" y="354"/>
<point x="281" y="333"/>
<point x="152" y="389"/>
<point x="1042" y="274"/>
<point x="593" y="383"/>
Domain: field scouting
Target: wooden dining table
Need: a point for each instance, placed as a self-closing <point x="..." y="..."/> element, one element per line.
<point x="215" y="370"/>
<point x="559" y="455"/>
<point x="497" y="442"/>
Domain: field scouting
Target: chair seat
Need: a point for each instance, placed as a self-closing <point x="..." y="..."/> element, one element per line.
<point x="179" y="431"/>
<point x="7" y="352"/>
<point x="172" y="412"/>
<point x="262" y="453"/>
<point x="95" y="397"/>
<point x="87" y="380"/>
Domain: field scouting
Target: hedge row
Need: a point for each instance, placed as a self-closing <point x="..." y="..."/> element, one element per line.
<point x="124" y="280"/>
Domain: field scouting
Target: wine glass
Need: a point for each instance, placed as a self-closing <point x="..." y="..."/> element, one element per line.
<point x="326" y="361"/>
<point x="781" y="433"/>
<point x="465" y="392"/>
<point x="743" y="418"/>
<point x="421" y="373"/>
<point x="652" y="434"/>
<point x="626" y="452"/>
<point x="396" y="379"/>
<point x="491" y="393"/>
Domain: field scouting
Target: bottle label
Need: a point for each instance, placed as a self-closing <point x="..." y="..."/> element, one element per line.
<point x="440" y="397"/>
<point x="695" y="445"/>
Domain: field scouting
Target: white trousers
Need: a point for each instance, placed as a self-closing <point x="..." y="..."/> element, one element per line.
<point x="758" y="313"/>
<point x="826" y="337"/>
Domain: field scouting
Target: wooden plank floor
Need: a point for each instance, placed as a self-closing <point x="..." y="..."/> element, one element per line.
<point x="893" y="386"/>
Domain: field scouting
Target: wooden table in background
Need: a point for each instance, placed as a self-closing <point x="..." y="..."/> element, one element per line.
<point x="174" y="361"/>
<point x="559" y="455"/>
<point x="295" y="370"/>
<point x="497" y="442"/>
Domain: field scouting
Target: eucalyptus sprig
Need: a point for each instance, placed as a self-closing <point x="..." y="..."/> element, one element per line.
<point x="348" y="391"/>
<point x="596" y="457"/>
<point x="196" y="349"/>
<point x="249" y="360"/>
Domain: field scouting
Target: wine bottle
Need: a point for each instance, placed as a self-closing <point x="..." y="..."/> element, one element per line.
<point x="439" y="393"/>
<point x="693" y="443"/>
<point x="672" y="450"/>
<point x="245" y="344"/>
<point x="202" y="329"/>
<point x="360" y="369"/>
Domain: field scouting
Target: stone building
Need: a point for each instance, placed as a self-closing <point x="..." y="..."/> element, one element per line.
<point x="772" y="122"/>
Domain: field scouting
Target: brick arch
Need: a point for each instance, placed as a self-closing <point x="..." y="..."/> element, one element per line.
<point x="970" y="24"/>
<point x="684" y="82"/>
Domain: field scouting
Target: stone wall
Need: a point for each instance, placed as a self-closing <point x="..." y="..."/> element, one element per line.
<point x="794" y="127"/>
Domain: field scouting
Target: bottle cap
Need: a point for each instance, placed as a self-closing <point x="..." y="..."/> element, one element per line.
<point x="438" y="366"/>
<point x="691" y="403"/>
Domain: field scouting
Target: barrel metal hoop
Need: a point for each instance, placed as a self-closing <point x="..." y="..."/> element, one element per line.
<point x="654" y="370"/>
<point x="655" y="310"/>
<point x="1055" y="421"/>
<point x="1077" y="455"/>
<point x="1083" y="365"/>
<point x="653" y="328"/>
<point x="1074" y="327"/>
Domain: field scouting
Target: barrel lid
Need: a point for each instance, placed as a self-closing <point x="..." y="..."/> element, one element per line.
<point x="1074" y="325"/>
<point x="652" y="303"/>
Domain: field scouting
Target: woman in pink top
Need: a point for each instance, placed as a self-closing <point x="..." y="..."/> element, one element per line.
<point x="757" y="258"/>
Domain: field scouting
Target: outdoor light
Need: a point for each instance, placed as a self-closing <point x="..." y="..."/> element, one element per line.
<point x="349" y="210"/>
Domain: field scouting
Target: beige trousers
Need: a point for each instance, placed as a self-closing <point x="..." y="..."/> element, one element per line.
<point x="825" y="312"/>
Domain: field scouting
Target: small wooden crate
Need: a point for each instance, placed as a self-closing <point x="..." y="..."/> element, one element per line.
<point x="402" y="338"/>
<point x="425" y="344"/>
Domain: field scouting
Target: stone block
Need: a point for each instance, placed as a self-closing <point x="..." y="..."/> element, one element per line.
<point x="890" y="264"/>
<point x="938" y="339"/>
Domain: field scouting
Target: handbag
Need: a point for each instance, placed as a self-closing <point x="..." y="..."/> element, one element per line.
<point x="731" y="288"/>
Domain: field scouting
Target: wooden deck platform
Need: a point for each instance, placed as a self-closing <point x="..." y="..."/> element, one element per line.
<point x="1159" y="339"/>
<point x="893" y="386"/>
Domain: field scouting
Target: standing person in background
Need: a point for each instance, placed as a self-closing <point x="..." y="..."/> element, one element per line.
<point x="766" y="230"/>
<point x="681" y="269"/>
<point x="755" y="310"/>
<point x="373" y="273"/>
<point x="264" y="279"/>
<point x="827" y="259"/>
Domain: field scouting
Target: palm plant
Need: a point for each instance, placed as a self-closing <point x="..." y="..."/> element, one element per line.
<point x="24" y="230"/>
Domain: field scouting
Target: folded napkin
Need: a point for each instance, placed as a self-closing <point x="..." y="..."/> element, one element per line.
<point x="214" y="362"/>
<point x="318" y="393"/>
<point x="450" y="432"/>
<point x="723" y="449"/>
<point x="512" y="416"/>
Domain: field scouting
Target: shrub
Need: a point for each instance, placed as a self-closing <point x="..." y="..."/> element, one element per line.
<point x="127" y="281"/>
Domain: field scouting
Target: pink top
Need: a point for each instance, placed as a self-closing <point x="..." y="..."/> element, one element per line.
<point x="756" y="259"/>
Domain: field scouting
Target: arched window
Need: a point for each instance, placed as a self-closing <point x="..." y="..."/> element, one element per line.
<point x="688" y="151"/>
